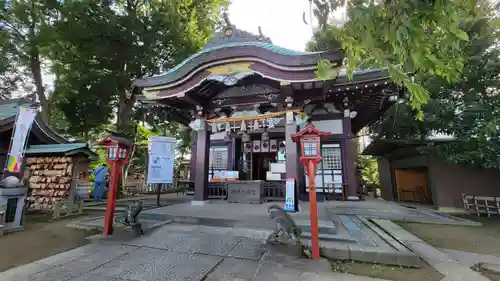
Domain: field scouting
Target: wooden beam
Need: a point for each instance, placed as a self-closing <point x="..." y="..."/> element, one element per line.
<point x="194" y="99"/>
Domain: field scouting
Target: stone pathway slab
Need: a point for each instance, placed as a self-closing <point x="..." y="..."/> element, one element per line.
<point x="234" y="269"/>
<point x="469" y="259"/>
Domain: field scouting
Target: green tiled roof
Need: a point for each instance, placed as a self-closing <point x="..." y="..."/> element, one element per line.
<point x="62" y="148"/>
<point x="265" y="45"/>
<point x="8" y="110"/>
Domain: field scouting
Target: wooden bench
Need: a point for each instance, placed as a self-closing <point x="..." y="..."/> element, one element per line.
<point x="481" y="204"/>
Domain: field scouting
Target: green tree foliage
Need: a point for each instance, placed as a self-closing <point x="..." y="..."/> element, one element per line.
<point x="468" y="109"/>
<point x="26" y="30"/>
<point x="368" y="170"/>
<point x="153" y="124"/>
<point x="120" y="41"/>
<point x="407" y="37"/>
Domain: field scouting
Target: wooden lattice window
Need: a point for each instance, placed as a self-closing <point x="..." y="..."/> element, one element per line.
<point x="218" y="158"/>
<point x="332" y="157"/>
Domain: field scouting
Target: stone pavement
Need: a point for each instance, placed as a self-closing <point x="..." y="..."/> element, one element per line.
<point x="488" y="262"/>
<point x="381" y="209"/>
<point x="362" y="231"/>
<point x="253" y="215"/>
<point x="178" y="252"/>
<point x="446" y="264"/>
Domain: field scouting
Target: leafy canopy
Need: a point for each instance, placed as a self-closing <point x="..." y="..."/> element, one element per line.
<point x="468" y="109"/>
<point x="407" y="37"/>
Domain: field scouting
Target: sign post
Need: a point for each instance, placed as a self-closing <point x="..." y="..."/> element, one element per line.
<point x="290" y="199"/>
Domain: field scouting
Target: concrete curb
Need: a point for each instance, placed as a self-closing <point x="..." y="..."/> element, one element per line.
<point x="343" y="251"/>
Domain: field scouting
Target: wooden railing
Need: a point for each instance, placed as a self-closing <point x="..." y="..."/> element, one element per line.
<point x="481" y="204"/>
<point x="132" y="187"/>
<point x="217" y="190"/>
<point x="274" y="190"/>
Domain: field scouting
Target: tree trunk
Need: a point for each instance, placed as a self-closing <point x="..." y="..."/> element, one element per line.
<point x="125" y="106"/>
<point x="86" y="136"/>
<point x="36" y="67"/>
<point x="36" y="71"/>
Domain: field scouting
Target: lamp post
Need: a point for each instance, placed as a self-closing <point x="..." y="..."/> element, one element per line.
<point x="118" y="149"/>
<point x="310" y="147"/>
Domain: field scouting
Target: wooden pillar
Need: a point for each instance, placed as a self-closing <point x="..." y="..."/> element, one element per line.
<point x="291" y="154"/>
<point x="230" y="155"/>
<point x="192" y="168"/>
<point x="349" y="152"/>
<point x="201" y="165"/>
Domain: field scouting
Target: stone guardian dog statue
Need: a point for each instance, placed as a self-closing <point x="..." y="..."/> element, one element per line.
<point x="285" y="226"/>
<point x="130" y="217"/>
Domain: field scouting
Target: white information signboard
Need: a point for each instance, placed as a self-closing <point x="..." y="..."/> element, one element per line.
<point x="161" y="153"/>
<point x="290" y="195"/>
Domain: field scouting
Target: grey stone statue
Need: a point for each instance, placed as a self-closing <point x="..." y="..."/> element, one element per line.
<point x="131" y="217"/>
<point x="285" y="226"/>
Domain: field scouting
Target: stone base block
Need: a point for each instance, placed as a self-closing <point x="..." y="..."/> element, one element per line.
<point x="199" y="203"/>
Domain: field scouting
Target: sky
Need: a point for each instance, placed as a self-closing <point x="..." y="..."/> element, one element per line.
<point x="280" y="20"/>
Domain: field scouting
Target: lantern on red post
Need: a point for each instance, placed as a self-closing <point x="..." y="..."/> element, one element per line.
<point x="309" y="140"/>
<point x="118" y="148"/>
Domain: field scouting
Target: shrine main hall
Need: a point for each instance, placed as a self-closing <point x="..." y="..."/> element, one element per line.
<point x="243" y="98"/>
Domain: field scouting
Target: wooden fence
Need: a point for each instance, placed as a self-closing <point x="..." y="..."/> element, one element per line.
<point x="132" y="187"/>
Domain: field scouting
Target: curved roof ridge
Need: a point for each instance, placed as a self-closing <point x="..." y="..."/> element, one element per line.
<point x="265" y="45"/>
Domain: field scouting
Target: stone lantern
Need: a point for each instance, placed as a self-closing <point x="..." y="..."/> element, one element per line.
<point x="12" y="200"/>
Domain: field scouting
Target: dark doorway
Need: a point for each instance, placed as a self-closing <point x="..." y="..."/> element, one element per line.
<point x="260" y="164"/>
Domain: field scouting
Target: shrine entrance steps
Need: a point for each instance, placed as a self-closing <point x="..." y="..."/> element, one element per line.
<point x="342" y="237"/>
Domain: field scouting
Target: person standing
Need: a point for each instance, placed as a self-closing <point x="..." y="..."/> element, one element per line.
<point x="100" y="177"/>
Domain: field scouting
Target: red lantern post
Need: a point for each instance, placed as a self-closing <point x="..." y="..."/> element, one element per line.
<point x="118" y="149"/>
<point x="310" y="147"/>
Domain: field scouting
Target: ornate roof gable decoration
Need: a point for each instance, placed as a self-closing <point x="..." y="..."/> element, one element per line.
<point x="230" y="34"/>
<point x="230" y="74"/>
